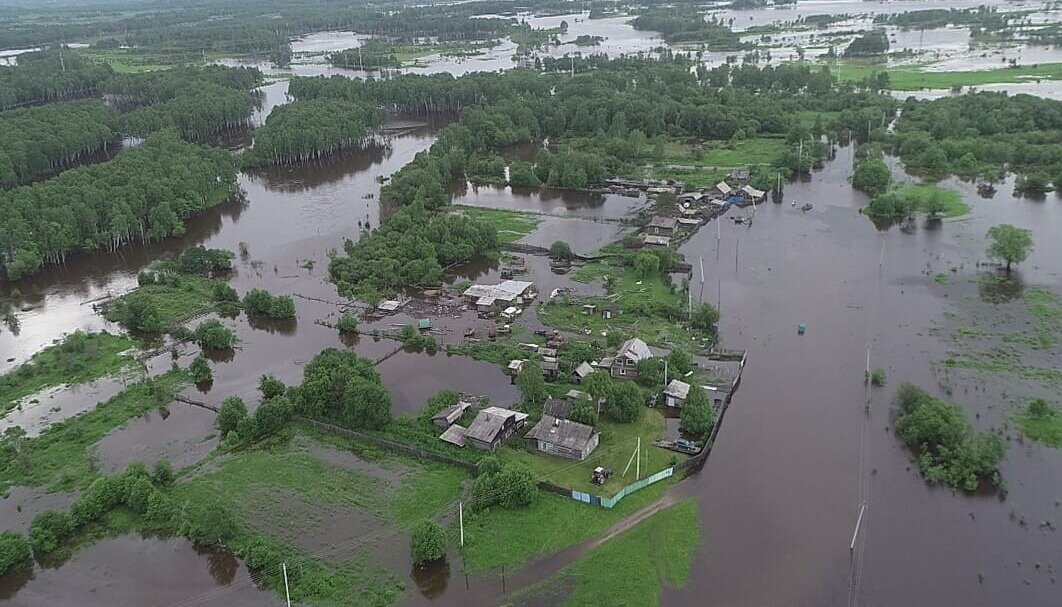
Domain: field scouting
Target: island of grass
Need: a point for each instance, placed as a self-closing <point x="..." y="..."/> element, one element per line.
<point x="632" y="568"/>
<point x="905" y="201"/>
<point x="1042" y="422"/>
<point x="511" y="225"/>
<point x="80" y="357"/>
<point x="913" y="79"/>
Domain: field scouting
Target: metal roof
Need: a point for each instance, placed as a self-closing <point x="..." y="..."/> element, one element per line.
<point x="453" y="413"/>
<point x="724" y="187"/>
<point x="562" y="432"/>
<point x="677" y="389"/>
<point x="657" y="240"/>
<point x="663" y="222"/>
<point x="635" y="349"/>
<point x="506" y="290"/>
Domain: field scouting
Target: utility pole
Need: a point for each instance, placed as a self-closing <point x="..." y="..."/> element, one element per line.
<point x="287" y="592"/>
<point x="701" y="297"/>
<point x="461" y="517"/>
<point x="665" y="372"/>
<point x="859" y="521"/>
<point x="638" y="467"/>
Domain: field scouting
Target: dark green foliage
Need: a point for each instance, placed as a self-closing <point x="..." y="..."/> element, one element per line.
<point x="1040" y="409"/>
<point x="689" y="26"/>
<point x="679" y="363"/>
<point x="868" y="45"/>
<point x="39" y="223"/>
<point x="441" y="400"/>
<point x="270" y="416"/>
<point x="205" y="262"/>
<point x="14" y="551"/>
<point x="413" y="338"/>
<point x="162" y="474"/>
<point x="341" y="387"/>
<point x="532" y="386"/>
<point x="209" y="524"/>
<point x="213" y="334"/>
<point x="698" y="416"/>
<point x="36" y="142"/>
<point x="348" y="323"/>
<point x="229" y="416"/>
<point x="651" y="372"/>
<point x="224" y="293"/>
<point x="410" y="248"/>
<point x="877" y="377"/>
<point x="560" y="250"/>
<point x="48" y="529"/>
<point x="271" y="387"/>
<point x="137" y="312"/>
<point x="1009" y="244"/>
<point x="948" y="449"/>
<point x="307" y="130"/>
<point x="200" y="371"/>
<point x="511" y="486"/>
<point x="428" y="543"/>
<point x="371" y="55"/>
<point x="584" y="413"/>
<point x="872" y="176"/>
<point x="43" y="77"/>
<point x="646" y="264"/>
<point x="523" y="174"/>
<point x="258" y="301"/>
<point x="625" y="402"/>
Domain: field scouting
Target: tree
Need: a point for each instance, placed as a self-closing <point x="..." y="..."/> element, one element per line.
<point x="625" y="402"/>
<point x="697" y="415"/>
<point x="210" y="524"/>
<point x="232" y="411"/>
<point x="212" y="334"/>
<point x="1040" y="409"/>
<point x="271" y="387"/>
<point x="258" y="301"/>
<point x="224" y="293"/>
<point x="428" y="543"/>
<point x="162" y="476"/>
<point x="584" y="413"/>
<point x="14" y="550"/>
<point x="646" y="265"/>
<point x="200" y="371"/>
<point x="283" y="306"/>
<point x="599" y="385"/>
<point x="651" y="372"/>
<point x="1009" y="243"/>
<point x="872" y="176"/>
<point x="705" y="317"/>
<point x="561" y="251"/>
<point x="366" y="405"/>
<point x="679" y="363"/>
<point x="532" y="386"/>
<point x="348" y="323"/>
<point x="48" y="529"/>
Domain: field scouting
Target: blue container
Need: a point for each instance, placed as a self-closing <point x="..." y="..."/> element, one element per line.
<point x="801" y="329"/>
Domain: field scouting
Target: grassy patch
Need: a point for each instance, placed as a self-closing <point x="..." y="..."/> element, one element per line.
<point x="1045" y="428"/>
<point x="126" y="61"/>
<point x="913" y="79"/>
<point x="633" y="568"/>
<point x="511" y="225"/>
<point x="509" y="538"/>
<point x="78" y="358"/>
<point x="59" y="458"/>
<point x="618" y="442"/>
<point x="951" y="200"/>
<point x="190" y="295"/>
<point x="704" y="164"/>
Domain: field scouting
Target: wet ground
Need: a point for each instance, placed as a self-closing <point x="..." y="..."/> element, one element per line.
<point x="798" y="453"/>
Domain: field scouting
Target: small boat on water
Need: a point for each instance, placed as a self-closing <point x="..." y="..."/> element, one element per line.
<point x="806" y="207"/>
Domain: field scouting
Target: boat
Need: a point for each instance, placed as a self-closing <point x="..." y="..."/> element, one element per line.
<point x="806" y="207"/>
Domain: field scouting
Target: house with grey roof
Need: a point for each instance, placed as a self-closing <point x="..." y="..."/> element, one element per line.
<point x="563" y="437"/>
<point x="625" y="364"/>
<point x="493" y="426"/>
<point x="676" y="392"/>
<point x="449" y="416"/>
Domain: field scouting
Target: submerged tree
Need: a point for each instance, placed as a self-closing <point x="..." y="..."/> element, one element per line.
<point x="1009" y="243"/>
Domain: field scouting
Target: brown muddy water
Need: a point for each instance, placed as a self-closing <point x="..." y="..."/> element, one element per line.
<point x="131" y="570"/>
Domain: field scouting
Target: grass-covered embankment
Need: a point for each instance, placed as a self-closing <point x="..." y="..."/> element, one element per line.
<point x="913" y="79"/>
<point x="78" y="358"/>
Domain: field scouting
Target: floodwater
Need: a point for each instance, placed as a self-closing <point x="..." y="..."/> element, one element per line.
<point x="131" y="570"/>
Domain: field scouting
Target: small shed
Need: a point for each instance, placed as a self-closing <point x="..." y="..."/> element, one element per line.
<point x="455" y="435"/>
<point x="389" y="305"/>
<point x="589" y="308"/>
<point x="514" y="367"/>
<point x="576" y="396"/>
<point x="449" y="416"/>
<point x="424" y="324"/>
<point x="662" y="226"/>
<point x="721" y="190"/>
<point x="610" y="312"/>
<point x="583" y="371"/>
<point x="550" y="368"/>
<point x="547" y="352"/>
<point x="676" y="393"/>
<point x="753" y="195"/>
<point x="659" y="242"/>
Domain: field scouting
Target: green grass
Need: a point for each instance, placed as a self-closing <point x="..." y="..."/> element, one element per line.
<point x="643" y="303"/>
<point x="60" y="458"/>
<point x="126" y="61"/>
<point x="511" y="225"/>
<point x="618" y="442"/>
<point x="175" y="303"/>
<point x="508" y="538"/>
<point x="913" y="78"/>
<point x="705" y="164"/>
<point x="952" y="200"/>
<point x="633" y="568"/>
<point x="78" y="358"/>
<point x="1046" y="429"/>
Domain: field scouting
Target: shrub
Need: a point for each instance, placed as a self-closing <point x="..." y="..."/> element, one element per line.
<point x="162" y="475"/>
<point x="48" y="529"/>
<point x="877" y="377"/>
<point x="697" y="417"/>
<point x="625" y="402"/>
<point x="348" y="323"/>
<point x="200" y="371"/>
<point x="212" y="334"/>
<point x="283" y="306"/>
<point x="584" y="413"/>
<point x="257" y="301"/>
<point x="14" y="550"/>
<point x="210" y="524"/>
<point x="224" y="293"/>
<point x="271" y="387"/>
<point x="428" y="543"/>
<point x="561" y="251"/>
<point x="512" y="486"/>
<point x="232" y="412"/>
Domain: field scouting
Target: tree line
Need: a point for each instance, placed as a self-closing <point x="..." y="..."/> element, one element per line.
<point x="38" y="141"/>
<point x="306" y="130"/>
<point x="49" y="75"/>
<point x="142" y="195"/>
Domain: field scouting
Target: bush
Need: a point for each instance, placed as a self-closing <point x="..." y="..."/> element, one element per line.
<point x="162" y="476"/>
<point x="48" y="529"/>
<point x="532" y="386"/>
<point x="561" y="251"/>
<point x="625" y="402"/>
<point x="232" y="412"/>
<point x="872" y="176"/>
<point x="283" y="306"/>
<point x="257" y="301"/>
<point x="14" y="551"/>
<point x="210" y="524"/>
<point x="512" y="486"/>
<point x="348" y="323"/>
<point x="584" y="413"/>
<point x="877" y="377"/>
<point x="224" y="293"/>
<point x="212" y="334"/>
<point x="200" y="371"/>
<point x="271" y="387"/>
<point x="428" y="543"/>
<point x="442" y="400"/>
<point x="203" y="261"/>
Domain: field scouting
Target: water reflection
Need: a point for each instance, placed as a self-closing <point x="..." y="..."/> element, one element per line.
<point x="431" y="579"/>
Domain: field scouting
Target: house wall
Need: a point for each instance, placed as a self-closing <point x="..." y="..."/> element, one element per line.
<point x="674" y="402"/>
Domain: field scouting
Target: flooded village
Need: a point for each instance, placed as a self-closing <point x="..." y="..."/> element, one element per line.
<point x="677" y="364"/>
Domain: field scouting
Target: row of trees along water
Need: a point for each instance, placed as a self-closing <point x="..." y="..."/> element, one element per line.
<point x="144" y="194"/>
<point x="307" y="130"/>
<point x="35" y="142"/>
<point x="49" y="76"/>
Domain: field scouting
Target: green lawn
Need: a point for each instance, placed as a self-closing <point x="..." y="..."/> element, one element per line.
<point x="1047" y="430"/>
<point x="126" y="61"/>
<point x="953" y="204"/>
<point x="78" y="358"/>
<point x="511" y="225"/>
<point x="60" y="458"/>
<point x="618" y="442"/>
<point x="704" y="164"/>
<point x="508" y="538"/>
<point x="913" y="78"/>
<point x="175" y="303"/>
<point x="632" y="569"/>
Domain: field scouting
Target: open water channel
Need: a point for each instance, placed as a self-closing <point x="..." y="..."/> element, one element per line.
<point x="799" y="451"/>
